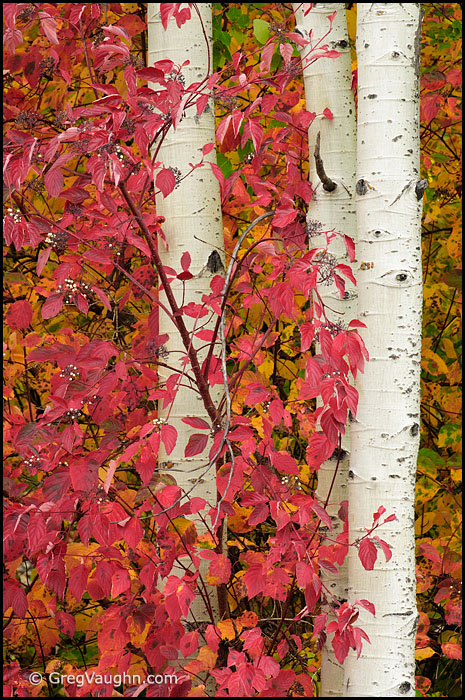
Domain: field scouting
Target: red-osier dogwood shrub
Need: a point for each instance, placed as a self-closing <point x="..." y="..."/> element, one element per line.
<point x="92" y="526"/>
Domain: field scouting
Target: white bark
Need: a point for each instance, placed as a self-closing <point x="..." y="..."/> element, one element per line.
<point x="386" y="433"/>
<point x="193" y="224"/>
<point x="328" y="85"/>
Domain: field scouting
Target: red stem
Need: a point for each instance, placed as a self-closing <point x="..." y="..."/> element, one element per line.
<point x="177" y="313"/>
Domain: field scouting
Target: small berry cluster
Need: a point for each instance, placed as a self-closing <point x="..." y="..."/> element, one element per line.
<point x="224" y="100"/>
<point x="47" y="67"/>
<point x="58" y="240"/>
<point x="145" y="107"/>
<point x="334" y="373"/>
<point x="119" y="153"/>
<point x="70" y="288"/>
<point x="32" y="463"/>
<point x="98" y="38"/>
<point x="313" y="228"/>
<point x="70" y="372"/>
<point x="216" y="427"/>
<point x="93" y="399"/>
<point x="26" y="13"/>
<point x="135" y="61"/>
<point x="157" y="350"/>
<point x="81" y="146"/>
<point x="101" y="495"/>
<point x="277" y="30"/>
<point x="60" y="118"/>
<point x="177" y="174"/>
<point x="36" y="184"/>
<point x="112" y="246"/>
<point x="112" y="148"/>
<point x="73" y="413"/>
<point x="293" y="68"/>
<point x="129" y="125"/>
<point x="158" y="423"/>
<point x="16" y="214"/>
<point x="327" y="262"/>
<point x="178" y="77"/>
<point x="333" y="328"/>
<point x="75" y="209"/>
<point x="26" y="119"/>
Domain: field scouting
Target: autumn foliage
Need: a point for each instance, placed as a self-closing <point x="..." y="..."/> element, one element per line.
<point x="93" y="523"/>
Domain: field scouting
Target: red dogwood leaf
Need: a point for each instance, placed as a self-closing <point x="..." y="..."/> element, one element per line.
<point x="367" y="553"/>
<point x="195" y="445"/>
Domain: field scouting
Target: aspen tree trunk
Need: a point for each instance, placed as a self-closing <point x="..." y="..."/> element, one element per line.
<point x="193" y="224"/>
<point x="386" y="433"/>
<point x="328" y="85"/>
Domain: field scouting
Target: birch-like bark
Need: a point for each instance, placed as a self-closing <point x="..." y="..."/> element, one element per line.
<point x="386" y="433"/>
<point x="194" y="224"/>
<point x="328" y="85"/>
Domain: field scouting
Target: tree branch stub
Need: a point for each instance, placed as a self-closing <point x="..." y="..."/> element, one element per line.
<point x="328" y="184"/>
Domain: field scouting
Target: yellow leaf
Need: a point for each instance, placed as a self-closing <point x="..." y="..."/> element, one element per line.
<point x="454" y="244"/>
<point x="207" y="657"/>
<point x="432" y="363"/>
<point x="422" y="654"/>
<point x="238" y="522"/>
<point x="257" y="423"/>
<point x="266" y="368"/>
<point x="352" y="22"/>
<point x="77" y="553"/>
<point x="82" y="622"/>
<point x="424" y="523"/>
<point x="449" y="348"/>
<point x="287" y="369"/>
<point x="226" y="629"/>
<point x="425" y="489"/>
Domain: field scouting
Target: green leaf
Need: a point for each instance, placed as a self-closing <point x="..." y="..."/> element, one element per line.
<point x="261" y="30"/>
<point x="224" y="164"/>
<point x="235" y="15"/>
<point x="240" y="37"/>
<point x="222" y="37"/>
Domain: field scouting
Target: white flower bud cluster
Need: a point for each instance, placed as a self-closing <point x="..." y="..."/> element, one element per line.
<point x="69" y="287"/>
<point x="52" y="238"/>
<point x="158" y="423"/>
<point x="111" y="246"/>
<point x="93" y="399"/>
<point x="333" y="373"/>
<point x="119" y="153"/>
<point x="32" y="462"/>
<point x="100" y="499"/>
<point x="16" y="214"/>
<point x="215" y="428"/>
<point x="58" y="240"/>
<point x="70" y="372"/>
<point x="73" y="413"/>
